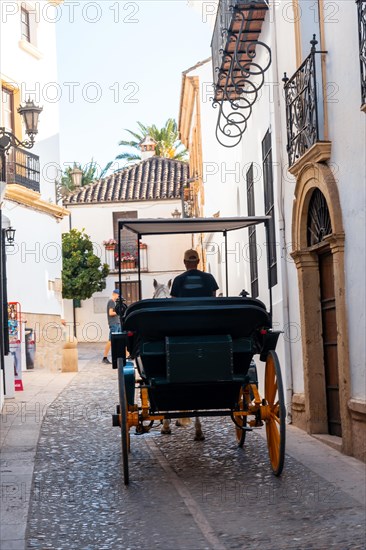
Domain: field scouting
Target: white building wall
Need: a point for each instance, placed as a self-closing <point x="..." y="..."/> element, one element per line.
<point x="36" y="257"/>
<point x="33" y="71"/>
<point x="347" y="131"/>
<point x="34" y="262"/>
<point x="224" y="174"/>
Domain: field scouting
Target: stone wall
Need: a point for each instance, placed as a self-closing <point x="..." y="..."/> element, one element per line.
<point x="358" y="416"/>
<point x="49" y="339"/>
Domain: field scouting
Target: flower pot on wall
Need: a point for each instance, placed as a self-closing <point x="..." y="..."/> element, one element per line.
<point x="129" y="264"/>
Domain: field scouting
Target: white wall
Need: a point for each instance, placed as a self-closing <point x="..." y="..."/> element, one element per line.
<point x="35" y="75"/>
<point x="347" y="131"/>
<point x="36" y="257"/>
<point x="224" y="172"/>
<point x="34" y="260"/>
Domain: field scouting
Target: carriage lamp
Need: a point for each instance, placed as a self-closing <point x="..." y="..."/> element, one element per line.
<point x="10" y="236"/>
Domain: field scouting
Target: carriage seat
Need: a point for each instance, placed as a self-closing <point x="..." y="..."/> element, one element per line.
<point x="160" y="318"/>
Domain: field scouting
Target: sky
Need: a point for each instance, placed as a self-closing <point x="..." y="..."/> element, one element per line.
<point x="119" y="63"/>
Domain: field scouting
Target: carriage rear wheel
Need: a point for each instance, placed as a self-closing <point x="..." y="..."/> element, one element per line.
<point x="275" y="421"/>
<point x="125" y="436"/>
<point x="240" y="421"/>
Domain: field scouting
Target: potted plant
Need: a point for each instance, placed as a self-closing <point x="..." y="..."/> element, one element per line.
<point x="110" y="244"/>
<point x="128" y="260"/>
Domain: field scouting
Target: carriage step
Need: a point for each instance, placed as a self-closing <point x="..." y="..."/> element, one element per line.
<point x="115" y="420"/>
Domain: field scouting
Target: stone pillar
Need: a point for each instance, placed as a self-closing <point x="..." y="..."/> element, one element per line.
<point x="69" y="351"/>
<point x="312" y="342"/>
<point x="337" y="248"/>
<point x="70" y="356"/>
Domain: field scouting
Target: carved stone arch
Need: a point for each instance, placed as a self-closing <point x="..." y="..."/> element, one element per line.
<point x="314" y="176"/>
<point x="310" y="177"/>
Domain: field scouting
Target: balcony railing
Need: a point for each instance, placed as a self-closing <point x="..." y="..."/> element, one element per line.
<point x="239" y="60"/>
<point x="129" y="261"/>
<point x="22" y="167"/>
<point x="304" y="106"/>
<point x="361" y="8"/>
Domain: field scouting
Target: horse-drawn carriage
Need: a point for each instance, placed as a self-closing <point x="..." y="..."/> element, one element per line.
<point x="194" y="356"/>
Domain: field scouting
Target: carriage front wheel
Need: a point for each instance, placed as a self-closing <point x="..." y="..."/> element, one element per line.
<point x="275" y="417"/>
<point x="125" y="436"/>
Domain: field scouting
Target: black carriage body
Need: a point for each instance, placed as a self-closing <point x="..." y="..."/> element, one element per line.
<point x="194" y="354"/>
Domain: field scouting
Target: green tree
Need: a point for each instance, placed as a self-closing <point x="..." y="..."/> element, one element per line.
<point x="82" y="271"/>
<point x="168" y="144"/>
<point x="66" y="186"/>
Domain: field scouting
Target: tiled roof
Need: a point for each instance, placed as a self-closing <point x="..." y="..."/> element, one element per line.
<point x="153" y="179"/>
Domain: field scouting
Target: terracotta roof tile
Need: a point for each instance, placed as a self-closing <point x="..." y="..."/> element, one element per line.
<point x="153" y="179"/>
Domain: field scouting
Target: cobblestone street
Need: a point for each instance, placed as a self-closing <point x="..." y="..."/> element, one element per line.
<point x="182" y="494"/>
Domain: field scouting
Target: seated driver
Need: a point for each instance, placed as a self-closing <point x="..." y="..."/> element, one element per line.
<point x="193" y="282"/>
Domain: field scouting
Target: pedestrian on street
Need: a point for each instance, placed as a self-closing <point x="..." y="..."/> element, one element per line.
<point x="193" y="282"/>
<point x="113" y="322"/>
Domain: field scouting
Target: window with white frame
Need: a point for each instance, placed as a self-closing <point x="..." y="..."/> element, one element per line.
<point x="28" y="26"/>
<point x="25" y="25"/>
<point x="7" y="109"/>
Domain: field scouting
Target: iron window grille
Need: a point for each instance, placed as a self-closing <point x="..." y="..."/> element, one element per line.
<point x="25" y="25"/>
<point x="269" y="207"/>
<point x="128" y="240"/>
<point x="304" y="106"/>
<point x="319" y="224"/>
<point x="361" y="9"/>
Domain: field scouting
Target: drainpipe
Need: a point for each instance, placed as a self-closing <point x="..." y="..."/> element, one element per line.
<point x="282" y="226"/>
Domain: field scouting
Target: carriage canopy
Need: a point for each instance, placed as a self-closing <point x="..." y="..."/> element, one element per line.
<point x="190" y="225"/>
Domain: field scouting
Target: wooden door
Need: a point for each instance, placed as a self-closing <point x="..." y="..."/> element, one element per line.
<point x="328" y="307"/>
<point x="130" y="291"/>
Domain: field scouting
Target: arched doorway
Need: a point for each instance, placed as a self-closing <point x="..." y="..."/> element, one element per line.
<point x="319" y="227"/>
<point x="318" y="251"/>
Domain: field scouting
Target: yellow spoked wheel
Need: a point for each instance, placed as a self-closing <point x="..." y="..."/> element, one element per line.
<point x="125" y="436"/>
<point x="276" y="413"/>
<point x="240" y="421"/>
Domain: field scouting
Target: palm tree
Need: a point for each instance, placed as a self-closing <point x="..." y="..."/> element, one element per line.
<point x="168" y="144"/>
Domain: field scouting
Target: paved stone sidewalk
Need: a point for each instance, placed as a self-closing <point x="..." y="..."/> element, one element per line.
<point x="183" y="494"/>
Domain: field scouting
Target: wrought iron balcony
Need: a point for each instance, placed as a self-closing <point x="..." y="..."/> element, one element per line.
<point x="304" y="106"/>
<point x="22" y="167"/>
<point x="361" y="8"/>
<point x="239" y="63"/>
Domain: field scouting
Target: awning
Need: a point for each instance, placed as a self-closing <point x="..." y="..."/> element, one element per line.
<point x="189" y="225"/>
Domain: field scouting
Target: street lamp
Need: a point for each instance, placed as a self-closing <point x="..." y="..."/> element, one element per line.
<point x="30" y="113"/>
<point x="10" y="236"/>
<point x="76" y="176"/>
<point x="176" y="213"/>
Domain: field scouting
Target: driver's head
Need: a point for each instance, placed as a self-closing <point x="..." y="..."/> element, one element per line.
<point x="191" y="259"/>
